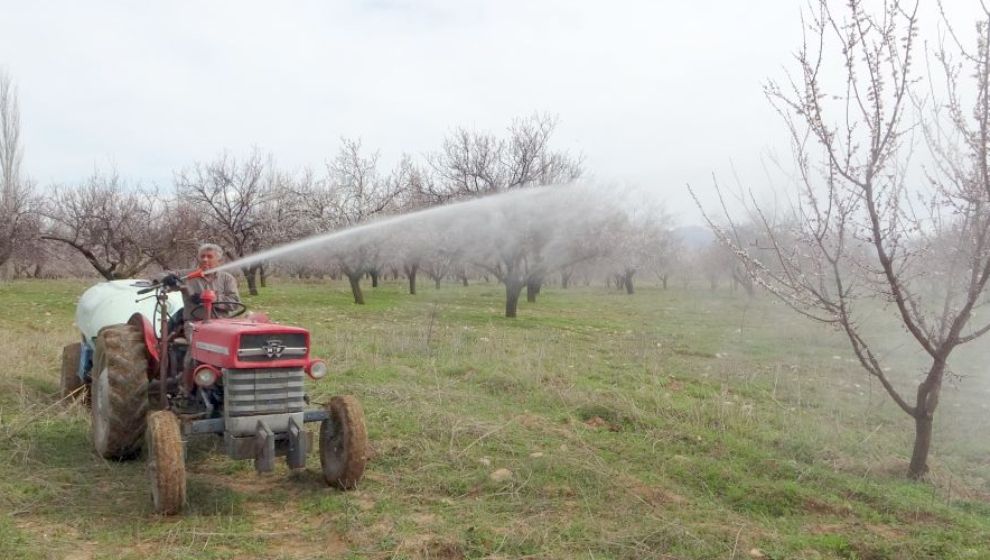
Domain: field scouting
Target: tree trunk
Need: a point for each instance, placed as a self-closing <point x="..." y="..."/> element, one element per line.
<point x="436" y="282"/>
<point x="263" y="276"/>
<point x="374" y="278"/>
<point x="411" y="271"/>
<point x="513" y="288"/>
<point x="924" y="419"/>
<point x="626" y="281"/>
<point x="665" y="277"/>
<point x="355" y="281"/>
<point x="533" y="287"/>
<point x="250" y="274"/>
<point x="464" y="280"/>
<point x="922" y="444"/>
<point x="565" y="280"/>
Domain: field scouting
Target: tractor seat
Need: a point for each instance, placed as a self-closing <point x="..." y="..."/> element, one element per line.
<point x="176" y="321"/>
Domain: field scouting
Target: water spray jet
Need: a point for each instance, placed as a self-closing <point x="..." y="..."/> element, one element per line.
<point x="484" y="207"/>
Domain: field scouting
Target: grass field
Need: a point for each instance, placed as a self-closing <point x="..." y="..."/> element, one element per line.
<point x="671" y="424"/>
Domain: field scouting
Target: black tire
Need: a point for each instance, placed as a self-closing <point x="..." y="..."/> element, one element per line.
<point x="343" y="443"/>
<point x="166" y="462"/>
<point x="69" y="382"/>
<point x="119" y="392"/>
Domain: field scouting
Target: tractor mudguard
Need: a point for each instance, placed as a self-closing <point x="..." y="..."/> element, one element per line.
<point x="150" y="339"/>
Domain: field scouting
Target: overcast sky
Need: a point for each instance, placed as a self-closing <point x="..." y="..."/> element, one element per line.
<point x="653" y="93"/>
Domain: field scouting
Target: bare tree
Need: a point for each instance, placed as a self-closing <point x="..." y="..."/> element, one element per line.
<point x="16" y="223"/>
<point x="31" y="256"/>
<point x="353" y="192"/>
<point x="361" y="195"/>
<point x="105" y="221"/>
<point x="281" y="213"/>
<point x="860" y="231"/>
<point x="173" y="232"/>
<point x="230" y="196"/>
<point x="667" y="257"/>
<point x="413" y="247"/>
<point x="714" y="263"/>
<point x="534" y="233"/>
<point x="638" y="239"/>
<point x="472" y="164"/>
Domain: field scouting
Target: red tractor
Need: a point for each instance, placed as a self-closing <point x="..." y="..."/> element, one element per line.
<point x="243" y="380"/>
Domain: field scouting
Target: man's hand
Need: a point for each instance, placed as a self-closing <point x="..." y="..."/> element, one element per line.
<point x="171" y="280"/>
<point x="196" y="299"/>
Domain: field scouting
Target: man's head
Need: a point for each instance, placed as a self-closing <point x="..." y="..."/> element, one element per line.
<point x="209" y="256"/>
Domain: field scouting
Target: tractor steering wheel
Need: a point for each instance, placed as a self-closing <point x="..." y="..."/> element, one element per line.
<point x="236" y="309"/>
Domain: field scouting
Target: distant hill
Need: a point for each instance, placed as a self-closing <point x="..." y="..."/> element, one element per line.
<point x="695" y="237"/>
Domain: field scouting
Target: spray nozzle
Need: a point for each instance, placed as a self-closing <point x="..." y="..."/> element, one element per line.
<point x="198" y="273"/>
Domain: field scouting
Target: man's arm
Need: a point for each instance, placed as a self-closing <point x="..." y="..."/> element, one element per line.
<point x="226" y="292"/>
<point x="230" y="289"/>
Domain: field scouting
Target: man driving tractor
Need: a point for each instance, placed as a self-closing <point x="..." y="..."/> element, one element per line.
<point x="224" y="285"/>
<point x="209" y="256"/>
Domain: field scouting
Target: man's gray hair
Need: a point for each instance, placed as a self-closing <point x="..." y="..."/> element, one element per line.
<point x="210" y="247"/>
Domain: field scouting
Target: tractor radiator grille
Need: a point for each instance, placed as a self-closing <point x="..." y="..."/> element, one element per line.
<point x="267" y="347"/>
<point x="263" y="391"/>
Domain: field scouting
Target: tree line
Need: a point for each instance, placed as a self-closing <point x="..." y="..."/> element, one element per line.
<point x="248" y="204"/>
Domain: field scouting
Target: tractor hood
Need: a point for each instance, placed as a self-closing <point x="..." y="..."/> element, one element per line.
<point x="235" y="344"/>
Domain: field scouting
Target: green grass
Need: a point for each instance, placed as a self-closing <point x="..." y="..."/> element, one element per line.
<point x="667" y="424"/>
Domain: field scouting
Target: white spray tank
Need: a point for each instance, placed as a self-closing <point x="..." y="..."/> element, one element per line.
<point x="113" y="302"/>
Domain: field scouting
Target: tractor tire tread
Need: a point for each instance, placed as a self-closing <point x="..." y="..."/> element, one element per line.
<point x="69" y="381"/>
<point x="166" y="462"/>
<point x="121" y="354"/>
<point x="343" y="459"/>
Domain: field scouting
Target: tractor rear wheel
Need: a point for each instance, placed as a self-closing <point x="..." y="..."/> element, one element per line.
<point x="119" y="391"/>
<point x="343" y="443"/>
<point x="166" y="462"/>
<point x="70" y="382"/>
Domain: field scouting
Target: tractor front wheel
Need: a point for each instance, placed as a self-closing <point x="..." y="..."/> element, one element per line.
<point x="166" y="462"/>
<point x="343" y="443"/>
<point x="119" y="391"/>
<point x="70" y="382"/>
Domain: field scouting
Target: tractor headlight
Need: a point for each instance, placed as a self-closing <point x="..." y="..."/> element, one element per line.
<point x="206" y="376"/>
<point x="317" y="369"/>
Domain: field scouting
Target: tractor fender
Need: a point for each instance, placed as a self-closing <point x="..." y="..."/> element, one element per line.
<point x="150" y="338"/>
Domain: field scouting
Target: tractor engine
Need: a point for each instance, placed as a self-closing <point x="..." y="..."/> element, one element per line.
<point x="257" y="372"/>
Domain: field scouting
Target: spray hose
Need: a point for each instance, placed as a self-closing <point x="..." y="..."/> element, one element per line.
<point x="198" y="273"/>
